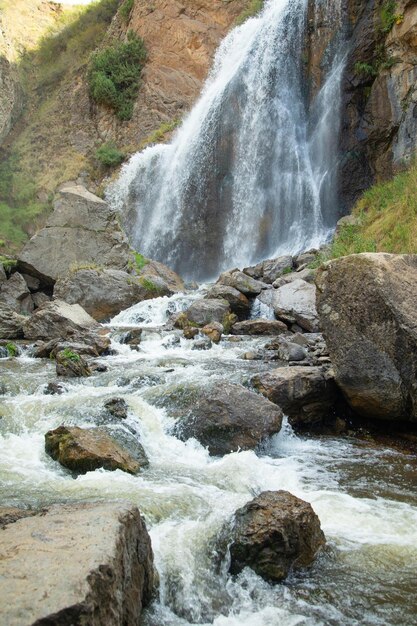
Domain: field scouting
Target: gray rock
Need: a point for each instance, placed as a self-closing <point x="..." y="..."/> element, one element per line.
<point x="202" y="344"/>
<point x="259" y="327"/>
<point x="15" y="294"/>
<point x="273" y="534"/>
<point x="76" y="564"/>
<point x="59" y="320"/>
<point x="39" y="298"/>
<point x="81" y="231"/>
<point x="205" y="311"/>
<point x="117" y="407"/>
<point x="171" y="281"/>
<point x="306" y="274"/>
<point x="32" y="282"/>
<point x="308" y="395"/>
<point x="296" y="302"/>
<point x="104" y="293"/>
<point x="11" y="323"/>
<point x="292" y="352"/>
<point x="223" y="416"/>
<point x="71" y="364"/>
<point x="368" y="310"/>
<point x="242" y="282"/>
<point x="275" y="267"/>
<point x="305" y="258"/>
<point x="238" y="301"/>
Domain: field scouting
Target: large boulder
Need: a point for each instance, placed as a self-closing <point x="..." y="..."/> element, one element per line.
<point x="273" y="534"/>
<point x="259" y="327"/>
<point x="11" y="323"/>
<point x="368" y="311"/>
<point x="154" y="270"/>
<point x="294" y="302"/>
<point x="103" y="293"/>
<point x="84" y="450"/>
<point x="82" y="231"/>
<point x="242" y="282"/>
<point x="59" y="320"/>
<point x="239" y="303"/>
<point x="15" y="294"/>
<point x="308" y="395"/>
<point x="71" y="364"/>
<point x="206" y="311"/>
<point x="76" y="564"/>
<point x="224" y="417"/>
<point x="268" y="271"/>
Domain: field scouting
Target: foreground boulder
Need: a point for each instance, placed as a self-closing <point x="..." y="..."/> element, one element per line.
<point x="59" y="320"/>
<point x="76" y="564"/>
<point x="84" y="450"/>
<point x="308" y="395"/>
<point x="81" y="230"/>
<point x="224" y="417"/>
<point x="238" y="302"/>
<point x="273" y="534"/>
<point x="71" y="364"/>
<point x="368" y="310"/>
<point x="15" y="294"/>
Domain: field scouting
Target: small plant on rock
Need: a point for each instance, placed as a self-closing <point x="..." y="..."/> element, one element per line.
<point x="108" y="155"/>
<point x="12" y="349"/>
<point x="70" y="355"/>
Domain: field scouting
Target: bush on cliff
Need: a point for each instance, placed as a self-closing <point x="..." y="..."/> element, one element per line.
<point x="114" y="75"/>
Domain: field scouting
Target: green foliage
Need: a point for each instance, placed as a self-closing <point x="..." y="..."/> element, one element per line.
<point x="381" y="61"/>
<point x="388" y="17"/>
<point x="7" y="262"/>
<point x="148" y="284"/>
<point x="12" y="349"/>
<point x="159" y="134"/>
<point x="126" y="9"/>
<point x="70" y="355"/>
<point x="253" y="8"/>
<point x="114" y="75"/>
<point x="108" y="155"/>
<point x="140" y="261"/>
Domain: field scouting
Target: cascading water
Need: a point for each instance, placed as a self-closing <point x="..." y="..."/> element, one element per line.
<point x="252" y="171"/>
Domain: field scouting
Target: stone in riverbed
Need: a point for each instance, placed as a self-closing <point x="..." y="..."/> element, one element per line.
<point x="224" y="417"/>
<point x="242" y="282"/>
<point x="259" y="327"/>
<point x="205" y="311"/>
<point x="368" y="310"/>
<point x="308" y="395"/>
<point x="238" y="301"/>
<point x="71" y="364"/>
<point x="213" y="331"/>
<point x="273" y="534"/>
<point x="296" y="302"/>
<point x="84" y="450"/>
<point x="117" y="407"/>
<point x="76" y="564"/>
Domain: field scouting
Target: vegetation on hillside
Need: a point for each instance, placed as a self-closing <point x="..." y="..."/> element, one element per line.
<point x="114" y="75"/>
<point x="27" y="177"/>
<point x="253" y="7"/>
<point x="387" y="219"/>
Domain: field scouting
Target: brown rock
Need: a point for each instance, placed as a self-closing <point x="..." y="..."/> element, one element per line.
<point x="84" y="450"/>
<point x="76" y="564"/>
<point x="259" y="327"/>
<point x="238" y="302"/>
<point x="242" y="282"/>
<point x="205" y="311"/>
<point x="71" y="364"/>
<point x="274" y="533"/>
<point x="213" y="331"/>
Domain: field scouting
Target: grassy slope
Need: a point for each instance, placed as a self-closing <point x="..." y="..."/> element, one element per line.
<point x="53" y="59"/>
<point x="387" y="216"/>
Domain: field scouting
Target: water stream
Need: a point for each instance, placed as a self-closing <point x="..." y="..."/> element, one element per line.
<point x="252" y="171"/>
<point x="364" y="495"/>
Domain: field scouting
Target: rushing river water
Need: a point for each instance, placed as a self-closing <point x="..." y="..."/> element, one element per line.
<point x="364" y="495"/>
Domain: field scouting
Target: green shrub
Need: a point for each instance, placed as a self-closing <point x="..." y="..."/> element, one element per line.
<point x="140" y="260"/>
<point x="108" y="155"/>
<point x="388" y="16"/>
<point x="126" y="9"/>
<point x="114" y="75"/>
<point x="70" y="355"/>
<point x="12" y="349"/>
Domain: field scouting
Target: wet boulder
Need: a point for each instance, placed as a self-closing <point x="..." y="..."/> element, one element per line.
<point x="205" y="311"/>
<point x="88" y="563"/>
<point x="368" y="310"/>
<point x="213" y="331"/>
<point x="154" y="270"/>
<point x="242" y="282"/>
<point x="273" y="534"/>
<point x="238" y="302"/>
<point x="84" y="450"/>
<point x="308" y="395"/>
<point x="117" y="407"/>
<point x="259" y="327"/>
<point x="202" y="344"/>
<point x="273" y="268"/>
<point x="222" y="416"/>
<point x="71" y="364"/>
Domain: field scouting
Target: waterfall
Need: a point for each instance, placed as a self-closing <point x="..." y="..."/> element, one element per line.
<point x="252" y="171"/>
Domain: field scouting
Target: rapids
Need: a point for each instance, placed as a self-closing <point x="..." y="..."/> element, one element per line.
<point x="364" y="494"/>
